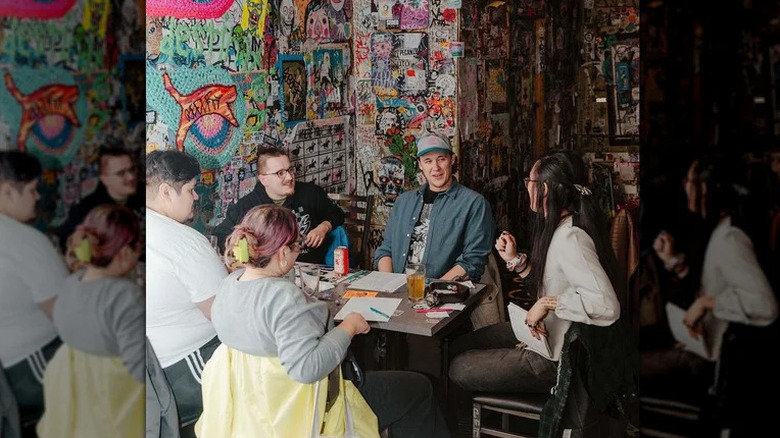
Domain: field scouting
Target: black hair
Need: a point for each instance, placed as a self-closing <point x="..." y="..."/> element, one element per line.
<point x="561" y="171"/>
<point x="172" y="167"/>
<point x="18" y="168"/>
<point x="263" y="154"/>
<point x="114" y="149"/>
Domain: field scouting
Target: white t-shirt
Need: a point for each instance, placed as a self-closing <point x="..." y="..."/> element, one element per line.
<point x="31" y="272"/>
<point x="182" y="269"/>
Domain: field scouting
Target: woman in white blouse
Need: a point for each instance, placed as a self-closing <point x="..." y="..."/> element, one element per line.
<point x="572" y="270"/>
<point x="733" y="286"/>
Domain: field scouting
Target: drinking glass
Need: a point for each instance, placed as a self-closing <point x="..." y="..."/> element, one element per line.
<point x="415" y="282"/>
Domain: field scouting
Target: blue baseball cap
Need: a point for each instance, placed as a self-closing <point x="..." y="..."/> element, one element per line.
<point x="433" y="142"/>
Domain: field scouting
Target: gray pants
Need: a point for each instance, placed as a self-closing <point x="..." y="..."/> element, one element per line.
<point x="488" y="360"/>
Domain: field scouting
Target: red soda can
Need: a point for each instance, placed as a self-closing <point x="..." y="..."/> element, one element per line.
<point x="341" y="260"/>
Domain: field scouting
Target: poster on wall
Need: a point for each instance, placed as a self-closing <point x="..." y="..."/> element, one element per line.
<point x="400" y="64"/>
<point x="495" y="87"/>
<point x="318" y="153"/>
<point x="403" y="14"/>
<point x="327" y="74"/>
<point x="46" y="113"/>
<point x="202" y="107"/>
<point x="292" y="88"/>
<point x="625" y="90"/>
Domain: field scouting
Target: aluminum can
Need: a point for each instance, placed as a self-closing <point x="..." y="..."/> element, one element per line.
<point x="341" y="260"/>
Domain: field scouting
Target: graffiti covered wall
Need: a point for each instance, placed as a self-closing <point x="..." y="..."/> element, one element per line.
<point x="68" y="69"/>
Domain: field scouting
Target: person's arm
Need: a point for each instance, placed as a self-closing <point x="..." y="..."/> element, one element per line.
<point x="385" y="264"/>
<point x="748" y="297"/>
<point x="126" y="319"/>
<point x="455" y="272"/>
<point x="383" y="256"/>
<point x="327" y="209"/>
<point x="205" y="307"/>
<point x="590" y="297"/>
<point x="478" y="238"/>
<point x="305" y="350"/>
<point x="44" y="287"/>
<point x="47" y="307"/>
<point x="201" y="272"/>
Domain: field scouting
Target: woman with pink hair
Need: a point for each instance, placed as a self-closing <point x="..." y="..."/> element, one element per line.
<point x="95" y="384"/>
<point x="277" y="372"/>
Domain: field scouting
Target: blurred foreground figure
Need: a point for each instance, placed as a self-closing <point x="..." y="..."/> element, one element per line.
<point x="95" y="384"/>
<point x="31" y="276"/>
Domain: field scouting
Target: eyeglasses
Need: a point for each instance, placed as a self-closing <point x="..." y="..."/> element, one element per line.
<point x="527" y="180"/>
<point x="297" y="245"/>
<point x="280" y="173"/>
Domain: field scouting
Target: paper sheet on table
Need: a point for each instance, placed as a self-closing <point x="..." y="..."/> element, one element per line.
<point x="379" y="281"/>
<point x="363" y="306"/>
<point x="517" y="317"/>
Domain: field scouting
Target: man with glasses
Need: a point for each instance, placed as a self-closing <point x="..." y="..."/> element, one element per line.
<point x="118" y="185"/>
<point x="315" y="212"/>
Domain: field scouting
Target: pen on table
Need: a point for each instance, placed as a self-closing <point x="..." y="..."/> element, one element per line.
<point x="432" y="310"/>
<point x="380" y="312"/>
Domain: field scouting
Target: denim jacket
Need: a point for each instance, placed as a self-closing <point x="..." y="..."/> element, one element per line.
<point x="460" y="232"/>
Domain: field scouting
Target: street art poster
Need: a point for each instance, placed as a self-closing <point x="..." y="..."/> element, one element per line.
<point x="495" y="87"/>
<point x="625" y="108"/>
<point x="317" y="21"/>
<point x="319" y="153"/>
<point x="327" y="75"/>
<point x="495" y="29"/>
<point x="403" y="14"/>
<point x="200" y="9"/>
<point x="293" y="84"/>
<point x="46" y="111"/>
<point x="36" y="9"/>
<point x="469" y="96"/>
<point x="399" y="64"/>
<point x="203" y="108"/>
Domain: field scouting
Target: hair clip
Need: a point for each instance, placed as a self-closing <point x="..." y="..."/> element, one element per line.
<point x="584" y="191"/>
<point x="83" y="250"/>
<point x="241" y="251"/>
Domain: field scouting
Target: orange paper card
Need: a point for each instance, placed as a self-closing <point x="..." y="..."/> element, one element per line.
<point x="359" y="294"/>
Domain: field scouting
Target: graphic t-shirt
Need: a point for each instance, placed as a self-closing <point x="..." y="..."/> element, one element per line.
<point x="420" y="233"/>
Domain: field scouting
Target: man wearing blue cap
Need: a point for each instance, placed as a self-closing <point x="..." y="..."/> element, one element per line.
<point x="443" y="225"/>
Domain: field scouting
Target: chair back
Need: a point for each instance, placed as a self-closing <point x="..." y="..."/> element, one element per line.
<point x="10" y="424"/>
<point x="162" y="415"/>
<point x="357" y="223"/>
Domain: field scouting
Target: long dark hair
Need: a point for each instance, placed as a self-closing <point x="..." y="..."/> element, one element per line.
<point x="561" y="171"/>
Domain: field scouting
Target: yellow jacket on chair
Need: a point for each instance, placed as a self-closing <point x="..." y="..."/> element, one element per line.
<point x="246" y="396"/>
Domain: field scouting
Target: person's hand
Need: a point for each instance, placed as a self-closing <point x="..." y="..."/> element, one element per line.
<point x="316" y="236"/>
<point x="506" y="246"/>
<point x="535" y="317"/>
<point x="664" y="246"/>
<point x="695" y="313"/>
<point x="355" y="324"/>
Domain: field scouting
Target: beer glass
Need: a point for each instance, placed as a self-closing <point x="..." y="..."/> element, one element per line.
<point x="415" y="282"/>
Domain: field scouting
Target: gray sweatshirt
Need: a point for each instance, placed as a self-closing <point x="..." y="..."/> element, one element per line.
<point x="104" y="317"/>
<point x="271" y="317"/>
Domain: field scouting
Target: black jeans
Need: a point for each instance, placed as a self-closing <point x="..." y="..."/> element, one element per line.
<point x="404" y="403"/>
<point x="489" y="360"/>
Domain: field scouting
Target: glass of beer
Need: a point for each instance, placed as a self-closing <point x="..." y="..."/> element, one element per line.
<point x="415" y="282"/>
